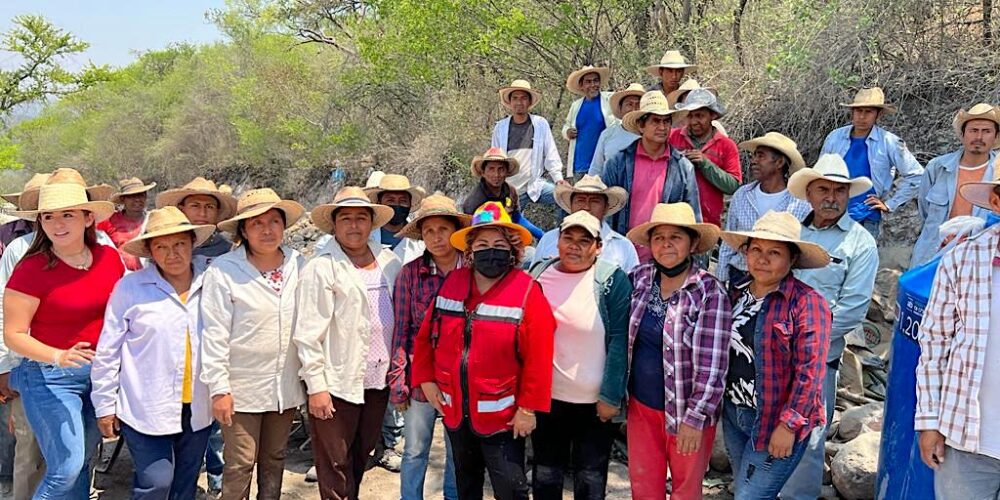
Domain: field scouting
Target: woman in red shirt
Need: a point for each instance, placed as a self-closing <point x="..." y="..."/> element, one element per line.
<point x="53" y="313"/>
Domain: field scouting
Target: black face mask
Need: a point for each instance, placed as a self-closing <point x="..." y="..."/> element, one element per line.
<point x="673" y="272"/>
<point x="399" y="215"/>
<point x="492" y="262"/>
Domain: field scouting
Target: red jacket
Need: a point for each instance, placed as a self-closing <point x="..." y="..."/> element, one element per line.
<point x="721" y="151"/>
<point x="488" y="353"/>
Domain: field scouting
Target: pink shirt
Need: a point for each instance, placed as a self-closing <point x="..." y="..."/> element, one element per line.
<point x="647" y="190"/>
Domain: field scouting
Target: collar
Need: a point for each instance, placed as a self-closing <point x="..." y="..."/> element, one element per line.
<point x="429" y="267"/>
<point x="641" y="151"/>
<point x="150" y="275"/>
<point x="844" y="223"/>
<point x="876" y="134"/>
<point x="334" y="250"/>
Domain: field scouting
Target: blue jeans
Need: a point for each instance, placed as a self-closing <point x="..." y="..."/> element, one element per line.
<point x="417" y="437"/>
<point x="57" y="404"/>
<point x="756" y="474"/>
<point x="806" y="481"/>
<point x="167" y="467"/>
<point x="967" y="476"/>
<point x="6" y="447"/>
<point x="392" y="427"/>
<point x="213" y="457"/>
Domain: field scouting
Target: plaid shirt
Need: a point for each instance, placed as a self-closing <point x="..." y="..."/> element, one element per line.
<point x="696" y="333"/>
<point x="416" y="288"/>
<point x="790" y="349"/>
<point x="953" y="335"/>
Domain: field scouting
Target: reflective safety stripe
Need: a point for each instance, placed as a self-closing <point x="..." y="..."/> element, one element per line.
<point x="495" y="406"/>
<point x="446" y="397"/>
<point x="500" y="312"/>
<point x="446" y="304"/>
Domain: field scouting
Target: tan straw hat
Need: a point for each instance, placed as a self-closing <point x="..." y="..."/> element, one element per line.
<point x="633" y="89"/>
<point x="573" y="80"/>
<point x="978" y="193"/>
<point x="687" y="86"/>
<point x="870" y="98"/>
<point x="395" y="182"/>
<point x="164" y="222"/>
<point x="258" y="201"/>
<point x="67" y="196"/>
<point x="66" y="175"/>
<point x="670" y="59"/>
<point x="131" y="186"/>
<point x="680" y="215"/>
<point x="617" y="197"/>
<point x="521" y="85"/>
<point x="653" y="102"/>
<point x="830" y="167"/>
<point x="778" y="142"/>
<point x="199" y="186"/>
<point x="781" y="226"/>
<point x="33" y="184"/>
<point x="435" y="205"/>
<point x="981" y="111"/>
<point x="582" y="219"/>
<point x="489" y="214"/>
<point x="350" y="197"/>
<point x="494" y="154"/>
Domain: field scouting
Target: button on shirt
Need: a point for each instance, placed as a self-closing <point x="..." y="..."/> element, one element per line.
<point x="615" y="248"/>
<point x="888" y="157"/>
<point x="380" y="340"/>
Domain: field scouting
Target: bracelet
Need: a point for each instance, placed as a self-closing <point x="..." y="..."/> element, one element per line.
<point x="529" y="413"/>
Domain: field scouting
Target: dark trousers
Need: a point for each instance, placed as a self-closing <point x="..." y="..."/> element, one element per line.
<point x="167" y="467"/>
<point x="571" y="434"/>
<point x="500" y="455"/>
<point x="342" y="444"/>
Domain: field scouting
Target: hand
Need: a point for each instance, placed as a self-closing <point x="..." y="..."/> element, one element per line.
<point x="688" y="440"/>
<point x="109" y="426"/>
<point x="606" y="412"/>
<point x="571" y="133"/>
<point x="75" y="356"/>
<point x="402" y="407"/>
<point x="523" y="423"/>
<point x="875" y="203"/>
<point x="782" y="440"/>
<point x="222" y="409"/>
<point x="932" y="448"/>
<point x="695" y="156"/>
<point x="563" y="182"/>
<point x="6" y="393"/>
<point x="434" y="396"/>
<point x="321" y="406"/>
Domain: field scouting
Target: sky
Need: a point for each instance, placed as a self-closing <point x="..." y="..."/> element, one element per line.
<point x="118" y="29"/>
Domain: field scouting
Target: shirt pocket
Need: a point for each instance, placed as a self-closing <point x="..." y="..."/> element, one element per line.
<point x="782" y="337"/>
<point x="937" y="204"/>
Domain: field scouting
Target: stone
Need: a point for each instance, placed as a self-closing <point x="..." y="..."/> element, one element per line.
<point x="856" y="466"/>
<point x="720" y="459"/>
<point x="831" y="449"/>
<point x="829" y="493"/>
<point x="857" y="420"/>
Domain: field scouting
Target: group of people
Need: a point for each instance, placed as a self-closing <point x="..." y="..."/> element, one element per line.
<point x="193" y="329"/>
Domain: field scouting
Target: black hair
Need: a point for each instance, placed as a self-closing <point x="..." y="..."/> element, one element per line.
<point x="455" y="223"/>
<point x="690" y="232"/>
<point x="793" y="249"/>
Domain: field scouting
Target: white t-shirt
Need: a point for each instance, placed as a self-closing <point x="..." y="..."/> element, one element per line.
<point x="578" y="362"/>
<point x="989" y="387"/>
<point x="767" y="201"/>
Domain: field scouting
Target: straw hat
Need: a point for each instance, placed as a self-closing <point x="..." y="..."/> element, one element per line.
<point x="490" y="214"/>
<point x="494" y="154"/>
<point x="670" y="59"/>
<point x="978" y="193"/>
<point x="652" y="102"/>
<point x="573" y="80"/>
<point x="516" y="85"/>
<point x="633" y="89"/>
<point x="225" y="189"/>
<point x="395" y="182"/>
<point x="582" y="219"/>
<point x="680" y="215"/>
<point x="830" y="167"/>
<point x="778" y="142"/>
<point x="33" y="184"/>
<point x="617" y="197"/>
<point x="163" y="222"/>
<point x="66" y="196"/>
<point x="435" y="205"/>
<point x="687" y="86"/>
<point x="702" y="98"/>
<point x="349" y="197"/>
<point x="65" y="175"/>
<point x="257" y="201"/>
<point x="981" y="111"/>
<point x="781" y="226"/>
<point x="870" y="98"/>
<point x="199" y="186"/>
<point x="130" y="186"/>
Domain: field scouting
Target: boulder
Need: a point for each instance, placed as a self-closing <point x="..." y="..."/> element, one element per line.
<point x="720" y="459"/>
<point x="860" y="419"/>
<point x="856" y="466"/>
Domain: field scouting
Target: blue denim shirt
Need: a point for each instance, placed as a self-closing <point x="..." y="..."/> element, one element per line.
<point x="887" y="156"/>
<point x="680" y="185"/>
<point x="938" y="187"/>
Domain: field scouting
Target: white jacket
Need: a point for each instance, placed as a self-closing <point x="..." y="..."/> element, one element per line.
<point x="544" y="155"/>
<point x="574" y="109"/>
<point x="333" y="327"/>
<point x="247" y="347"/>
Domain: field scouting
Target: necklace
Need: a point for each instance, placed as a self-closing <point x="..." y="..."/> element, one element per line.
<point x="83" y="265"/>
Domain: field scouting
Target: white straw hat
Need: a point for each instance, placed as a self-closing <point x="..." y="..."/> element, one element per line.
<point x="870" y="98"/>
<point x="199" y="186"/>
<point x="830" y="167"/>
<point x="523" y="86"/>
<point x="349" y="197"/>
<point x="653" y="102"/>
<point x="67" y="196"/>
<point x="573" y="80"/>
<point x="680" y="215"/>
<point x="981" y="111"/>
<point x="781" y="226"/>
<point x="617" y="197"/>
<point x="670" y="59"/>
<point x="258" y="201"/>
<point x="778" y="142"/>
<point x="164" y="222"/>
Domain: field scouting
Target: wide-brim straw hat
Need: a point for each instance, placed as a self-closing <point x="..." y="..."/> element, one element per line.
<point x="978" y="193"/>
<point x="830" y="167"/>
<point x="981" y="111"/>
<point x="164" y="222"/>
<point x="781" y="226"/>
<point x="396" y="182"/>
<point x="591" y="184"/>
<point x="66" y="175"/>
<point x="350" y="197"/>
<point x="494" y="154"/>
<point x="258" y="201"/>
<point x="680" y="215"/>
<point x="633" y="89"/>
<point x="521" y="85"/>
<point x="129" y="187"/>
<point x="778" y="142"/>
<point x="670" y="59"/>
<point x="573" y="80"/>
<point x="67" y="196"/>
<point x="33" y="184"/>
<point x="653" y="102"/>
<point x="686" y="86"/>
<point x="870" y="98"/>
<point x="435" y="205"/>
<point x="490" y="214"/>
<point x="199" y="186"/>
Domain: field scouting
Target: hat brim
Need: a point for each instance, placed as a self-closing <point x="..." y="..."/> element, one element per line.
<point x="631" y="119"/>
<point x="29" y="199"/>
<point x="617" y="197"/>
<point x="507" y="91"/>
<point x="618" y="97"/>
<point x="888" y="108"/>
<point x="412" y="229"/>
<point x="102" y="210"/>
<point x="708" y="234"/>
<point x="573" y="80"/>
<point x="137" y="246"/>
<point x="513" y="166"/>
<point x="174" y="197"/>
<point x="416" y="194"/>
<point x="654" y="70"/>
<point x="800" y="180"/>
<point x="813" y="256"/>
<point x="292" y="210"/>
<point x="458" y="237"/>
<point x="117" y="197"/>
<point x="978" y="193"/>
<point x="798" y="163"/>
<point x="322" y="215"/>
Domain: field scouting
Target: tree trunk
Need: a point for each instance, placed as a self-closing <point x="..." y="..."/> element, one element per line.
<point x="737" y="35"/>
<point x="987" y="22"/>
